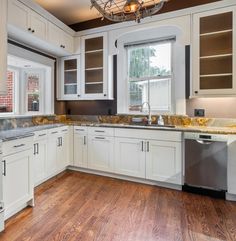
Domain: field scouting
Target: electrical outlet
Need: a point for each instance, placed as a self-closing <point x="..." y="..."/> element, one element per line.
<point x="199" y="112"/>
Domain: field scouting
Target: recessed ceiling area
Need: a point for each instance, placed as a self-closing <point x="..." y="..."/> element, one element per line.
<point x="70" y="11"/>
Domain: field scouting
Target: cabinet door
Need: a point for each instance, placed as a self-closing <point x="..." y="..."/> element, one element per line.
<point x="17" y="181"/>
<point x="100" y="153"/>
<point x="51" y="164"/>
<point x="54" y="35"/>
<point x="213" y="47"/>
<point x="80" y="150"/>
<point x="18" y="14"/>
<point x="164" y="161"/>
<point x="40" y="159"/>
<point x="130" y="157"/>
<point x="94" y="66"/>
<point x="38" y="25"/>
<point x="69" y="78"/>
<point x="68" y="42"/>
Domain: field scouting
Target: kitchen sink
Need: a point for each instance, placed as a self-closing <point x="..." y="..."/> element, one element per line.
<point x="152" y="125"/>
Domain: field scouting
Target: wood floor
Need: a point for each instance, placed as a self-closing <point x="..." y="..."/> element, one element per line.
<point x="77" y="206"/>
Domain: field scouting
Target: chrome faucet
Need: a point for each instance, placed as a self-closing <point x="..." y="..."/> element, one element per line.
<point x="149" y="112"/>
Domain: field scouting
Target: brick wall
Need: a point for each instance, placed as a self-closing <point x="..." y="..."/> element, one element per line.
<point x="6" y="101"/>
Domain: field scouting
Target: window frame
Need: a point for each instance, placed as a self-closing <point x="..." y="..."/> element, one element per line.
<point x="167" y="77"/>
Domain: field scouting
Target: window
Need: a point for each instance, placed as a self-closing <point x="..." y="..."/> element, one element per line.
<point x="7" y="102"/>
<point x="34" y="95"/>
<point x="150" y="76"/>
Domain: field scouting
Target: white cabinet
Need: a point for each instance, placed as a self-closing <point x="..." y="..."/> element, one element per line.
<point x="17" y="175"/>
<point x="214" y="71"/>
<point x="59" y="38"/>
<point x="158" y="157"/>
<point x="53" y="144"/>
<point x="3" y="46"/>
<point x="63" y="159"/>
<point x="26" y="19"/>
<point x="164" y="161"/>
<point x="69" y="78"/>
<point x="100" y="152"/>
<point x="130" y="157"/>
<point x="40" y="156"/>
<point x="80" y="147"/>
<point x="94" y="80"/>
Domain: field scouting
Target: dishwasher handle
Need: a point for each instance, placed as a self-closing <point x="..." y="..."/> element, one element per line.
<point x="204" y="142"/>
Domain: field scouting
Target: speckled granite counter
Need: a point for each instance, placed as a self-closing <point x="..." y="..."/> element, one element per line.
<point x="19" y="133"/>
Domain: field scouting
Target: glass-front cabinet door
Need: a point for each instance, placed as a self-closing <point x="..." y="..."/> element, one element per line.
<point x="69" y="78"/>
<point x="213" y="53"/>
<point x="94" y="66"/>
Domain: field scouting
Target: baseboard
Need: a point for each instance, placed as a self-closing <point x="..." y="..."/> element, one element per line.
<point x="127" y="178"/>
<point x="231" y="197"/>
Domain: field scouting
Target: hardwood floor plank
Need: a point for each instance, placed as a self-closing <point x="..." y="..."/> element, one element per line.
<point x="77" y="206"/>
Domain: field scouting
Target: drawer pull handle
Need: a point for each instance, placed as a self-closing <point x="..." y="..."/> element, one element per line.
<point x="64" y="130"/>
<point x="4" y="167"/>
<point x="17" y="146"/>
<point x="99" y="131"/>
<point x="100" y="138"/>
<point x="79" y="129"/>
<point x="54" y="132"/>
<point x="42" y="135"/>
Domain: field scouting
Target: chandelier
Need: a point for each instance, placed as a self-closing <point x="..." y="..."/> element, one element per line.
<point x="127" y="10"/>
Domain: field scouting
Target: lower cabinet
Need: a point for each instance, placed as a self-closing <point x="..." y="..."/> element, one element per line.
<point x="80" y="147"/>
<point x="17" y="181"/>
<point x="164" y="161"/>
<point x="130" y="157"/>
<point x="100" y="153"/>
<point x="40" y="157"/>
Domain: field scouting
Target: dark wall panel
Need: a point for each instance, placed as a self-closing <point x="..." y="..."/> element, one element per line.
<point x="172" y="5"/>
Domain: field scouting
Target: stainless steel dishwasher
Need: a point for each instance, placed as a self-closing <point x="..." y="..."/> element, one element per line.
<point x="206" y="161"/>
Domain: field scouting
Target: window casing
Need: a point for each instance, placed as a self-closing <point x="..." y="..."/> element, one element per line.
<point x="150" y="76"/>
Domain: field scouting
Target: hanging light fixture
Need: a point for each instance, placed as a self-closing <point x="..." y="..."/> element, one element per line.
<point x="127" y="10"/>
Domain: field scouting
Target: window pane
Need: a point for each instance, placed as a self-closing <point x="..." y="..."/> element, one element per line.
<point x="149" y="60"/>
<point x="160" y="94"/>
<point x="33" y="102"/>
<point x="33" y="95"/>
<point x="7" y="101"/>
<point x="138" y="93"/>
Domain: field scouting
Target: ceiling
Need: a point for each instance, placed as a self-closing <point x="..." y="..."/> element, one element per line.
<point x="69" y="11"/>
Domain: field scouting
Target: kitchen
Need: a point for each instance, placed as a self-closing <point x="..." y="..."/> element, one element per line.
<point x="121" y="128"/>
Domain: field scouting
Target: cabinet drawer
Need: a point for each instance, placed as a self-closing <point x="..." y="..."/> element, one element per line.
<point x="80" y="130"/>
<point x="18" y="145"/>
<point x="100" y="131"/>
<point x="40" y="135"/>
<point x="149" y="134"/>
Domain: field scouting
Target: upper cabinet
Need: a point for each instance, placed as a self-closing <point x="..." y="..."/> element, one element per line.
<point x="3" y="46"/>
<point x="214" y="45"/>
<point x="69" y="78"/>
<point x="27" y="26"/>
<point x="27" y="20"/>
<point x="60" y="38"/>
<point x="94" y="76"/>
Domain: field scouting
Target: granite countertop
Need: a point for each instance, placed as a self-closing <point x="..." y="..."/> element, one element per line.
<point x="18" y="133"/>
<point x="200" y="129"/>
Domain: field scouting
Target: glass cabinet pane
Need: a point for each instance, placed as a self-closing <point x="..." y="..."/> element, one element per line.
<point x="216" y="51"/>
<point x="70" y="76"/>
<point x="94" y="65"/>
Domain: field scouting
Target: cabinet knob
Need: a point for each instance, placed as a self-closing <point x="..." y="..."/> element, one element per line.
<point x="78" y="95"/>
<point x="33" y="31"/>
<point x="29" y="29"/>
<point x="196" y="92"/>
<point x="105" y="94"/>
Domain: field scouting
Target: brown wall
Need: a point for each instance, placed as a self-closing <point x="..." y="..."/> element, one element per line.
<point x="172" y="5"/>
<point x="214" y="107"/>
